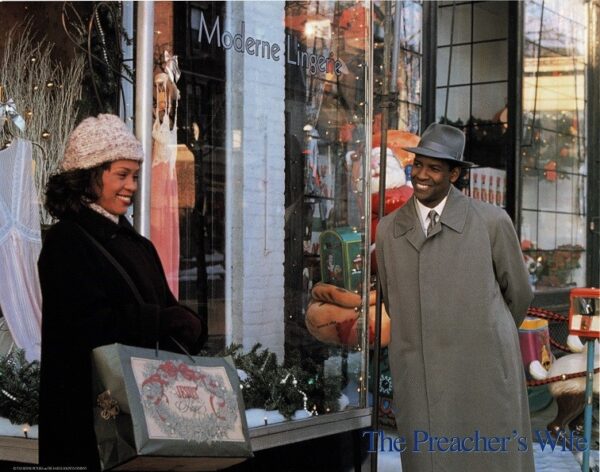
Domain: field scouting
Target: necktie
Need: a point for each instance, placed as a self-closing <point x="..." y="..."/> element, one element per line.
<point x="432" y="221"/>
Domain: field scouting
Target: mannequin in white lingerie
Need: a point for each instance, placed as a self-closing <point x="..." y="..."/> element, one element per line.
<point x="20" y="245"/>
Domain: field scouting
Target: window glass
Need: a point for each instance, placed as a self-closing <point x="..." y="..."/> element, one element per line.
<point x="462" y="23"/>
<point x="490" y="21"/>
<point x="486" y="66"/>
<point x="476" y="100"/>
<point x="271" y="173"/>
<point x="553" y="151"/>
<point x="460" y="72"/>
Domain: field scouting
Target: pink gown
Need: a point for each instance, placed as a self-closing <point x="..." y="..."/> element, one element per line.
<point x="164" y="220"/>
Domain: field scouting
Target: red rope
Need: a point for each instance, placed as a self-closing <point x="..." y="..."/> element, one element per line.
<point x="546" y="314"/>
<point x="535" y="383"/>
<point x="549" y="315"/>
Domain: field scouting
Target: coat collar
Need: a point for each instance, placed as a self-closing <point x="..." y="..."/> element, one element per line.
<point x="99" y="226"/>
<point x="454" y="217"/>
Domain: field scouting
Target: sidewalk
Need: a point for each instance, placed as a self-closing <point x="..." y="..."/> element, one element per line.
<point x="545" y="460"/>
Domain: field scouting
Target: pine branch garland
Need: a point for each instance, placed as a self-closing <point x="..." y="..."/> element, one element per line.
<point x="19" y="388"/>
<point x="270" y="386"/>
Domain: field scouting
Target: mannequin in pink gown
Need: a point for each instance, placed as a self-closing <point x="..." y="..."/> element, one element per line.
<point x="164" y="221"/>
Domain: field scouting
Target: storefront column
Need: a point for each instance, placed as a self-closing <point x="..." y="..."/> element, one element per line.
<point x="143" y="111"/>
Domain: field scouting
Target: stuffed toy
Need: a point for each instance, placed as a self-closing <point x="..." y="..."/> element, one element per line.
<point x="398" y="188"/>
<point x="569" y="393"/>
<point x="333" y="316"/>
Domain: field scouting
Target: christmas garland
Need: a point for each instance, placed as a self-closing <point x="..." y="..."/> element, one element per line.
<point x="19" y="388"/>
<point x="267" y="385"/>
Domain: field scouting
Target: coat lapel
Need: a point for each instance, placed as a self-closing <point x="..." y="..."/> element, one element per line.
<point x="455" y="212"/>
<point x="454" y="216"/>
<point x="407" y="223"/>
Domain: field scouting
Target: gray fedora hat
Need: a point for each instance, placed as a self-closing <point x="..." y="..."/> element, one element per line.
<point x="442" y="142"/>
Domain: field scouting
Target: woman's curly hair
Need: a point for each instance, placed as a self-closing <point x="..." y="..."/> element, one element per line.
<point x="69" y="191"/>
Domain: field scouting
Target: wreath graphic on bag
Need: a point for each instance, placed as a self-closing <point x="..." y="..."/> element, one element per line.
<point x="188" y="402"/>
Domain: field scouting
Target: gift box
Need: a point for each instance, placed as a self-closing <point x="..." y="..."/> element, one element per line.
<point x="341" y="259"/>
<point x="161" y="411"/>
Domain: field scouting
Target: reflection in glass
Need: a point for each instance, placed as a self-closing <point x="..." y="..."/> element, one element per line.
<point x="490" y="21"/>
<point x="461" y="65"/>
<point x="458" y="104"/>
<point x="486" y="66"/>
<point x="324" y="197"/>
<point x="553" y="152"/>
<point x="273" y="157"/>
<point x="462" y="23"/>
<point x="489" y="102"/>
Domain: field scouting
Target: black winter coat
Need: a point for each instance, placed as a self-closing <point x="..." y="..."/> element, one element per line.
<point x="85" y="304"/>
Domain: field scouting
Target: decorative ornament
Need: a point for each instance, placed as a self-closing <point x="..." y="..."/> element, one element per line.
<point x="109" y="406"/>
<point x="385" y="384"/>
<point x="8" y="395"/>
<point x="8" y="111"/>
<point x="550" y="171"/>
<point x="171" y="66"/>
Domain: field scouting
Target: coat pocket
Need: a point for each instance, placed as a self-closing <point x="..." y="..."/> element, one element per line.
<point x="501" y="339"/>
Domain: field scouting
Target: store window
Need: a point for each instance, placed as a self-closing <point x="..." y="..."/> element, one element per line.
<point x="472" y="90"/>
<point x="554" y="142"/>
<point x="271" y="170"/>
<point x="406" y="63"/>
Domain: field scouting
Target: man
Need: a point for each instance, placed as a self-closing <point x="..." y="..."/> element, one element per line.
<point x="455" y="287"/>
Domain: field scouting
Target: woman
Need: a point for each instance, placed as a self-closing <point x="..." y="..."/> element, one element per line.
<point x="86" y="301"/>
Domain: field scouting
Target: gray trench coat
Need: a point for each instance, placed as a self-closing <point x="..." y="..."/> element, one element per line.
<point x="455" y="300"/>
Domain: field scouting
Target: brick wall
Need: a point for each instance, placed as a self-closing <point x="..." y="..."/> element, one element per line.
<point x="163" y="27"/>
<point x="256" y="180"/>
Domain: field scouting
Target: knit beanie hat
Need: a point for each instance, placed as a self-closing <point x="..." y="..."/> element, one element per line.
<point x="98" y="140"/>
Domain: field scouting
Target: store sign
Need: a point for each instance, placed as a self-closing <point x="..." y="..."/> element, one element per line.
<point x="248" y="44"/>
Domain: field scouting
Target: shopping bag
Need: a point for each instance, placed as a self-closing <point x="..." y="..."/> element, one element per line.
<point x="161" y="411"/>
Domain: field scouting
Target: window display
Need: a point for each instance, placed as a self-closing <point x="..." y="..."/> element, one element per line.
<point x="273" y="110"/>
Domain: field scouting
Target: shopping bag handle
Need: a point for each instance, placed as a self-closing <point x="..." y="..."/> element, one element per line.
<point x="115" y="263"/>
<point x="180" y="346"/>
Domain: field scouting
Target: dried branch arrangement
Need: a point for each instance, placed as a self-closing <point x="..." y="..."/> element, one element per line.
<point x="46" y="95"/>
